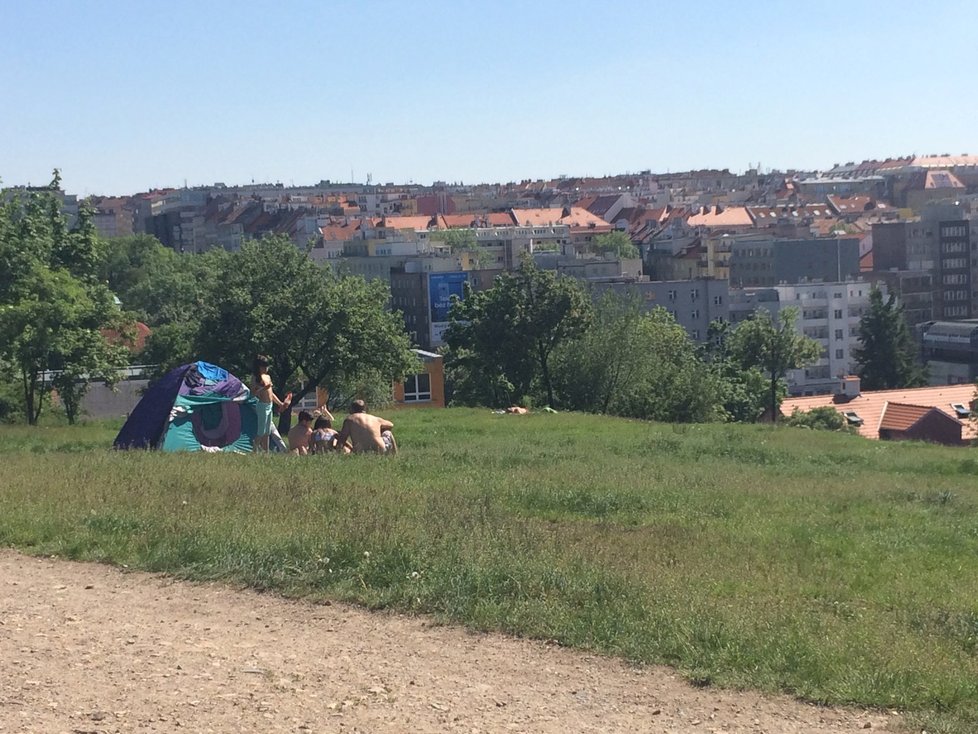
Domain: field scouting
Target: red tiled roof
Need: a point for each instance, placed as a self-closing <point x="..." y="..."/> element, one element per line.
<point x="716" y="216"/>
<point x="339" y="232"/>
<point x="406" y="222"/>
<point x="133" y="343"/>
<point x="866" y="262"/>
<point x="871" y="405"/>
<point x="899" y="416"/>
<point x="933" y="180"/>
<point x="574" y="217"/>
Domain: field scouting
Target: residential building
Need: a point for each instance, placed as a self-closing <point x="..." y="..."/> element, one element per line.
<point x="768" y="262"/>
<point x="425" y="388"/>
<point x="950" y="351"/>
<point x="829" y="313"/>
<point x="694" y="304"/>
<point x="424" y="298"/>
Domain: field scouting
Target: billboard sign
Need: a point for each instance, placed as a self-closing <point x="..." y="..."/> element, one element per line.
<point x="441" y="288"/>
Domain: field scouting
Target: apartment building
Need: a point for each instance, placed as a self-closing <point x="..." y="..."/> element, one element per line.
<point x="829" y="313"/>
<point x="759" y="261"/>
<point x="694" y="304"/>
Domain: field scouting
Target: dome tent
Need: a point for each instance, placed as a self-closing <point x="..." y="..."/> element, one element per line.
<point x="194" y="407"/>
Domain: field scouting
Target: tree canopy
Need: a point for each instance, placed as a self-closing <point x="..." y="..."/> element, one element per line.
<point x="635" y="363"/>
<point x="886" y="355"/>
<point x="53" y="307"/>
<point x="318" y="328"/>
<point x="504" y="337"/>
<point x="772" y="346"/>
<point x="616" y="243"/>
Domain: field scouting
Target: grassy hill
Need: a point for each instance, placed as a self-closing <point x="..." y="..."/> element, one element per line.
<point x="824" y="565"/>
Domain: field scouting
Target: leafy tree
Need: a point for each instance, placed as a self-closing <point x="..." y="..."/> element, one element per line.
<point x="635" y="363"/>
<point x="458" y="239"/>
<point x="742" y="392"/>
<point x="155" y="283"/>
<point x="318" y="329"/>
<point x="52" y="305"/>
<point x="616" y="243"/>
<point x="823" y="418"/>
<point x="886" y="354"/>
<point x="507" y="334"/>
<point x="773" y="347"/>
<point x="463" y="239"/>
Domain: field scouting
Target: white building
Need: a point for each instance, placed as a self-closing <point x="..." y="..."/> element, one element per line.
<point x="829" y="313"/>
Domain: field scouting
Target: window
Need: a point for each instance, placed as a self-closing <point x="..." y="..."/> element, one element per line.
<point x="839" y="354"/>
<point x="962" y="410"/>
<point x="417" y="388"/>
<point x="694" y="314"/>
<point x="717" y="300"/>
<point x="852" y="418"/>
<point x="695" y="334"/>
<point x="672" y="295"/>
<point x="838" y="333"/>
<point x="694" y="294"/>
<point x="838" y="313"/>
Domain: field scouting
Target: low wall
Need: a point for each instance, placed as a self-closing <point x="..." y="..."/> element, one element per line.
<point x="102" y="401"/>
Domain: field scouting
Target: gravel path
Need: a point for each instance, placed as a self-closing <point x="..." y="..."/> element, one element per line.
<point x="87" y="649"/>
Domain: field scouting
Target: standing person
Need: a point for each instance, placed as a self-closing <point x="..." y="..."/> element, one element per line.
<point x="366" y="432"/>
<point x="261" y="387"/>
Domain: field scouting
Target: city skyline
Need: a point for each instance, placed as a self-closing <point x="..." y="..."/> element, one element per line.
<point x="125" y="99"/>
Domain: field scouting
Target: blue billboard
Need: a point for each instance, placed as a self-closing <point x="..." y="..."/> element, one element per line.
<point x="441" y="288"/>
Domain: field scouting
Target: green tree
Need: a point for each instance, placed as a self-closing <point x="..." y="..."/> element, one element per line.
<point x="507" y="334"/>
<point x="53" y="307"/>
<point x="742" y="392"/>
<point x="155" y="283"/>
<point x="773" y="347"/>
<point x="458" y="239"/>
<point x="635" y="363"/>
<point x="463" y="239"/>
<point x="886" y="354"/>
<point x="616" y="243"/>
<point x="823" y="418"/>
<point x="319" y="329"/>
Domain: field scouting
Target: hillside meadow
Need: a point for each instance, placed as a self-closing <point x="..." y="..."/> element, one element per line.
<point x="836" y="569"/>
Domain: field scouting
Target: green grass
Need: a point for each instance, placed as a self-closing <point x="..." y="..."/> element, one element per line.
<point x="826" y="566"/>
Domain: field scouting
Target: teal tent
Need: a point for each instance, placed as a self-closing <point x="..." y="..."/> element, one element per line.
<point x="195" y="407"/>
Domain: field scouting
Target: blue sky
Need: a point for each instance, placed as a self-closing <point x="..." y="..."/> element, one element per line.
<point x="127" y="96"/>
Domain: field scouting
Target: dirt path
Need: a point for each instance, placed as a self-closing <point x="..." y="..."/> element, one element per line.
<point x="86" y="648"/>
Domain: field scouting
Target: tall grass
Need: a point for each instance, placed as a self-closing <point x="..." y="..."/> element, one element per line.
<point x="823" y="565"/>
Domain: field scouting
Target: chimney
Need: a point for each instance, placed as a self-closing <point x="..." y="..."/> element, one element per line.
<point x="850" y="386"/>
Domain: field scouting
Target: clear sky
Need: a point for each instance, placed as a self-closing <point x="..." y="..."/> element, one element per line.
<point x="127" y="96"/>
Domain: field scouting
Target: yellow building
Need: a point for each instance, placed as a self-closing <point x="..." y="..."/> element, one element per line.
<point x="426" y="388"/>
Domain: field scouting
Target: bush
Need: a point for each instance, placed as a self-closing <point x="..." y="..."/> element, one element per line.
<point x="824" y="418"/>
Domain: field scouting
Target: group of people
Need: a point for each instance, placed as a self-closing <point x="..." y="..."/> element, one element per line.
<point x="360" y="433"/>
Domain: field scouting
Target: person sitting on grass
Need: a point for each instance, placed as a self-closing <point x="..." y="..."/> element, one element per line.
<point x="300" y="434"/>
<point x="323" y="436"/>
<point x="366" y="433"/>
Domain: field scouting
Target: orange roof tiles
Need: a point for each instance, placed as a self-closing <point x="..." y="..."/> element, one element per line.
<point x="716" y="216"/>
<point x="339" y="232"/>
<point x="944" y="161"/>
<point x="899" y="416"/>
<point x="574" y="217"/>
<point x="421" y="222"/>
<point x="870" y="406"/>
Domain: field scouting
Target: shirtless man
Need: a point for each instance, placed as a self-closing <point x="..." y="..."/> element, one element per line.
<point x="366" y="432"/>
<point x="301" y="434"/>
